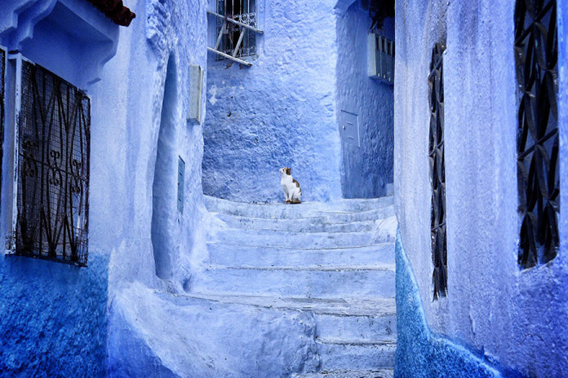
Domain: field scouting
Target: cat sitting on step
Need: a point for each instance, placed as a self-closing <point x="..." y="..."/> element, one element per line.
<point x="291" y="187"/>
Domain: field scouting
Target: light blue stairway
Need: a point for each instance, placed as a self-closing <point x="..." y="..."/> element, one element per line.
<point x="334" y="261"/>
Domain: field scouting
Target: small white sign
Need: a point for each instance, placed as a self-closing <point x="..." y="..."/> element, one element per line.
<point x="195" y="90"/>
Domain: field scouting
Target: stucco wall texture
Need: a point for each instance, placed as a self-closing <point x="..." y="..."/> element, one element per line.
<point x="126" y="116"/>
<point x="285" y="109"/>
<point x="168" y="37"/>
<point x="513" y="316"/>
<point x="367" y="168"/>
<point x="279" y="112"/>
<point x="421" y="353"/>
<point x="53" y="319"/>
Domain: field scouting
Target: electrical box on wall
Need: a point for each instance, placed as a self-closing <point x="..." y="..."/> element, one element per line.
<point x="195" y="89"/>
<point x="350" y="128"/>
<point x="380" y="58"/>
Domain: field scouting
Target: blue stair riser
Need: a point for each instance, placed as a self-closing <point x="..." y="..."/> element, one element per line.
<point x="315" y="224"/>
<point x="339" y="357"/>
<point x="220" y="205"/>
<point x="298" y="283"/>
<point x="368" y="327"/>
<point x="244" y="256"/>
<point x="299" y="240"/>
<point x="329" y="217"/>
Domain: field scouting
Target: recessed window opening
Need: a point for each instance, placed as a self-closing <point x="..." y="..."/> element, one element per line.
<point x="52" y="168"/>
<point x="164" y="188"/>
<point x="536" y="53"/>
<point x="438" y="172"/>
<point x="237" y="40"/>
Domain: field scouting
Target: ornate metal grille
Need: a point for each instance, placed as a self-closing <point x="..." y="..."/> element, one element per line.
<point x="536" y="52"/>
<point x="243" y="11"/>
<point x="438" y="172"/>
<point x="53" y="169"/>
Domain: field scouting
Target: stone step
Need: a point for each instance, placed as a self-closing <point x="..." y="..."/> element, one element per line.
<point x="311" y="282"/>
<point x="381" y="326"/>
<point x="328" y="216"/>
<point x="372" y="373"/>
<point x="355" y="354"/>
<point x="349" y="318"/>
<point x="219" y="205"/>
<point x="245" y="256"/>
<point x="346" y="306"/>
<point x="298" y="240"/>
<point x="313" y="224"/>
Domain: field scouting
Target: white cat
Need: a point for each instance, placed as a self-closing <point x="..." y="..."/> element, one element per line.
<point x="291" y="187"/>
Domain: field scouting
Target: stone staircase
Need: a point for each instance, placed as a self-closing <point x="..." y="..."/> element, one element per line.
<point x="334" y="261"/>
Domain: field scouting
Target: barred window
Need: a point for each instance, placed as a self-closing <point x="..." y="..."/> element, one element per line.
<point x="536" y="53"/>
<point x="52" y="151"/>
<point x="243" y="11"/>
<point x="438" y="172"/>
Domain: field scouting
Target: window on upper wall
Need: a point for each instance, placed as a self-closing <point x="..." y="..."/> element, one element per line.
<point x="380" y="58"/>
<point x="536" y="53"/>
<point x="438" y="173"/>
<point x="243" y="11"/>
<point x="236" y="26"/>
<point x="51" y="163"/>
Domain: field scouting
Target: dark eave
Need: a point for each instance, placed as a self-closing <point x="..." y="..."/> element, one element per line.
<point x="115" y="10"/>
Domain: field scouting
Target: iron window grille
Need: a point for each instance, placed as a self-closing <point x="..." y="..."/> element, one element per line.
<point x="52" y="168"/>
<point x="236" y="30"/>
<point x="243" y="11"/>
<point x="536" y="53"/>
<point x="438" y="172"/>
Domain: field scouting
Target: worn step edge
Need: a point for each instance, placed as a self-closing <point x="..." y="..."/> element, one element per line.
<point x="294" y="212"/>
<point x="343" y="204"/>
<point x="313" y="282"/>
<point x="369" y="327"/>
<point x="348" y="307"/>
<point x="304" y="240"/>
<point x="378" y="242"/>
<point x="285" y="249"/>
<point x="337" y="354"/>
<point x="248" y="232"/>
<point x="370" y="373"/>
<point x="327" y="216"/>
<point x="331" y="217"/>
<point x="237" y="255"/>
<point x="352" y="268"/>
<point x="355" y="342"/>
<point x="315" y="224"/>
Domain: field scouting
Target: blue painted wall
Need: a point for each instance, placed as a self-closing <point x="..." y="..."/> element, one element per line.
<point x="513" y="315"/>
<point x="367" y="168"/>
<point x="421" y="353"/>
<point x="285" y="110"/>
<point x="279" y="112"/>
<point x="53" y="318"/>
